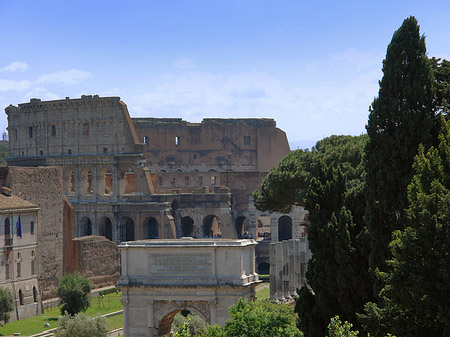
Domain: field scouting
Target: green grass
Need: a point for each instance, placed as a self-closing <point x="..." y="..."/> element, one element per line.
<point x="34" y="325"/>
<point x="263" y="294"/>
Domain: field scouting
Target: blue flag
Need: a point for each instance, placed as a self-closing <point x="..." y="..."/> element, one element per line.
<point x="19" y="228"/>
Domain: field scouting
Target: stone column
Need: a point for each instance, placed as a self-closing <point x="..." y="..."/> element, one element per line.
<point x="291" y="248"/>
<point x="286" y="270"/>
<point x="274" y="227"/>
<point x="124" y="302"/>
<point x="279" y="271"/>
<point x="151" y="317"/>
<point x="273" y="270"/>
<point x="297" y="263"/>
<point x="302" y="260"/>
<point x="213" y="311"/>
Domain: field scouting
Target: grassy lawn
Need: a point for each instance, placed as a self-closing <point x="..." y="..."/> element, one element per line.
<point x="34" y="325"/>
<point x="263" y="294"/>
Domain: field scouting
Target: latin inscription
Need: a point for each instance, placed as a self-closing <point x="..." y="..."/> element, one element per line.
<point x="180" y="264"/>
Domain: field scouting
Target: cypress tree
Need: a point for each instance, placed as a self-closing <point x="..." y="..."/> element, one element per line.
<point x="401" y="118"/>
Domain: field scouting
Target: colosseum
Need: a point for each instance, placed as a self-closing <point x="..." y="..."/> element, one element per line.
<point x="142" y="178"/>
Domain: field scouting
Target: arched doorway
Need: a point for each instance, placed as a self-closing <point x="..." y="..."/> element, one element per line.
<point x="129" y="229"/>
<point x="241" y="225"/>
<point x="187" y="226"/>
<point x="105" y="182"/>
<point x="106" y="228"/>
<point x="165" y="324"/>
<point x="284" y="228"/>
<point x="151" y="228"/>
<point x="85" y="226"/>
<point x="211" y="227"/>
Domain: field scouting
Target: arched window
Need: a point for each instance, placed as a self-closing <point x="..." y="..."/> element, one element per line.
<point x="35" y="295"/>
<point x="284" y="228"/>
<point x="187" y="226"/>
<point x="20" y="297"/>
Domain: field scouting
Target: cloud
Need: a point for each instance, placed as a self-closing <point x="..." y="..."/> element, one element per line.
<point x="6" y="85"/>
<point x="184" y="63"/>
<point x="358" y="59"/>
<point x="41" y="93"/>
<point x="65" y="77"/>
<point x="15" y="66"/>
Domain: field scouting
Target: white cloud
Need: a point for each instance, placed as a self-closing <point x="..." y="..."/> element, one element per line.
<point x="6" y="85"/>
<point x="184" y="63"/>
<point x="358" y="59"/>
<point x="15" y="66"/>
<point x="65" y="77"/>
<point x="41" y="93"/>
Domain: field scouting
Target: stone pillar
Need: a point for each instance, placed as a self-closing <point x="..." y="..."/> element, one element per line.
<point x="302" y="260"/>
<point x="297" y="263"/>
<point x="274" y="227"/>
<point x="286" y="270"/>
<point x="279" y="270"/>
<point x="291" y="248"/>
<point x="273" y="270"/>
<point x="116" y="181"/>
<point x="151" y="317"/>
<point x="213" y="311"/>
<point x="124" y="302"/>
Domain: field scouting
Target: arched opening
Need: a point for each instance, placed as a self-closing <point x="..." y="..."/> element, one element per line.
<point x="35" y="295"/>
<point x="284" y="228"/>
<point x="106" y="228"/>
<point x="263" y="268"/>
<point x="129" y="229"/>
<point x="187" y="226"/>
<point x="86" y="182"/>
<point x="196" y="322"/>
<point x="105" y="182"/>
<point x="152" y="225"/>
<point x="129" y="181"/>
<point x="85" y="226"/>
<point x="241" y="225"/>
<point x="211" y="227"/>
<point x="69" y="182"/>
<point x="166" y="323"/>
<point x="20" y="297"/>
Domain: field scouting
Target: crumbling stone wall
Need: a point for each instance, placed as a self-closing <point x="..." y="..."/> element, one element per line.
<point x="98" y="259"/>
<point x="42" y="186"/>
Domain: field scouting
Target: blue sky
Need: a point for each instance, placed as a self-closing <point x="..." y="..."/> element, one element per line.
<point x="313" y="66"/>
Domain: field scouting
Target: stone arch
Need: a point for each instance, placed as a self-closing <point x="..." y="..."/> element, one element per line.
<point x="106" y="228"/>
<point x="129" y="230"/>
<point x="284" y="228"/>
<point x="127" y="181"/>
<point x="151" y="228"/>
<point x="69" y="182"/>
<point x="211" y="226"/>
<point x="263" y="268"/>
<point x="85" y="226"/>
<point x="86" y="182"/>
<point x="187" y="226"/>
<point x="241" y="225"/>
<point x="165" y="323"/>
<point x="105" y="182"/>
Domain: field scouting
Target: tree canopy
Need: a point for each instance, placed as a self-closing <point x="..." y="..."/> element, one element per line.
<point x="6" y="304"/>
<point x="81" y="325"/>
<point x="401" y="117"/>
<point x="416" y="294"/>
<point x="73" y="292"/>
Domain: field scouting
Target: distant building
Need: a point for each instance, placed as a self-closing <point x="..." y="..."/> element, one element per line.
<point x="18" y="259"/>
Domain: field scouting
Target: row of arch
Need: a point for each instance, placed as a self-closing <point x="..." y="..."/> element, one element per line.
<point x="211" y="227"/>
<point x="21" y="296"/>
<point x="105" y="182"/>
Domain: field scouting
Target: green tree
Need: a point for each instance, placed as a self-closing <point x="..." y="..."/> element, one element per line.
<point x="192" y="322"/>
<point x="73" y="292"/>
<point x="401" y="118"/>
<point x="416" y="294"/>
<point x="255" y="319"/>
<point x="6" y="304"/>
<point x="329" y="182"/>
<point x="441" y="69"/>
<point x="81" y="325"/>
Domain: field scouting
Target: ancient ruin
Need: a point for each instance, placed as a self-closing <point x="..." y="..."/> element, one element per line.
<point x="159" y="278"/>
<point x="145" y="178"/>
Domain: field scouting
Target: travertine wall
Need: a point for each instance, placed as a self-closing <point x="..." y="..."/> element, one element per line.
<point x="42" y="186"/>
<point x="214" y="144"/>
<point x="98" y="259"/>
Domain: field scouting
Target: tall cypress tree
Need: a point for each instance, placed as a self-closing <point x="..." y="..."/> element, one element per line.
<point x="401" y="118"/>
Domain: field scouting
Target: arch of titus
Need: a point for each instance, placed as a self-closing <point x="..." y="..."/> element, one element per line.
<point x="159" y="278"/>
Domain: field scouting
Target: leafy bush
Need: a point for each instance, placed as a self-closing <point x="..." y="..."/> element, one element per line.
<point x="81" y="325"/>
<point x="6" y="304"/>
<point x="73" y="292"/>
